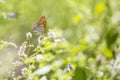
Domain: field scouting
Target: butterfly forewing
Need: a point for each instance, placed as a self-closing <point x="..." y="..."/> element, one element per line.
<point x="40" y="26"/>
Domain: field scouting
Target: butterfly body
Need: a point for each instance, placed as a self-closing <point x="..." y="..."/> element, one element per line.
<point x="40" y="26"/>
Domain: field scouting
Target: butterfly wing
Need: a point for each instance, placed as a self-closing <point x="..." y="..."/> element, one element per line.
<point x="40" y="26"/>
<point x="43" y="20"/>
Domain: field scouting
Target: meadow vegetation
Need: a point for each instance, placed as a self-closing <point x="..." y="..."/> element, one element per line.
<point x="82" y="41"/>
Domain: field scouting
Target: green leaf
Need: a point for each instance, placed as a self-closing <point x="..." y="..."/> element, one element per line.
<point x="43" y="70"/>
<point x="79" y="74"/>
<point x="111" y="37"/>
<point x="108" y="53"/>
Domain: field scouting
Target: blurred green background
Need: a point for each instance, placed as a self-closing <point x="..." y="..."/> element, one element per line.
<point x="74" y="18"/>
<point x="91" y="28"/>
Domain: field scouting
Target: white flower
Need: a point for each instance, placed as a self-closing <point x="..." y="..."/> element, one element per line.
<point x="99" y="74"/>
<point x="41" y="39"/>
<point x="60" y="40"/>
<point x="51" y="34"/>
<point x="39" y="57"/>
<point x="116" y="18"/>
<point x="17" y="62"/>
<point x="44" y="78"/>
<point x="69" y="78"/>
<point x="21" y="51"/>
<point x="117" y="62"/>
<point x="28" y="35"/>
<point x="23" y="70"/>
<point x="65" y="71"/>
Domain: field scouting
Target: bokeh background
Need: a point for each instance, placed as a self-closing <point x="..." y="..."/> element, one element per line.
<point x="73" y="18"/>
<point x="90" y="26"/>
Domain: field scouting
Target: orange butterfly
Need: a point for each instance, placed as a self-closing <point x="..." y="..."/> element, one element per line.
<point x="40" y="26"/>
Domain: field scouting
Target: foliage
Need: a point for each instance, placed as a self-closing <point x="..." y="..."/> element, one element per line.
<point x="81" y="43"/>
<point x="55" y="59"/>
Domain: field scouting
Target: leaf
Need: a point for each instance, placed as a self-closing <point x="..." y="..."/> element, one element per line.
<point x="80" y="74"/>
<point x="108" y="53"/>
<point x="111" y="37"/>
<point x="43" y="70"/>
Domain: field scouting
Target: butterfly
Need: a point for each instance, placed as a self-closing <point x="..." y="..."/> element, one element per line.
<point x="40" y="26"/>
